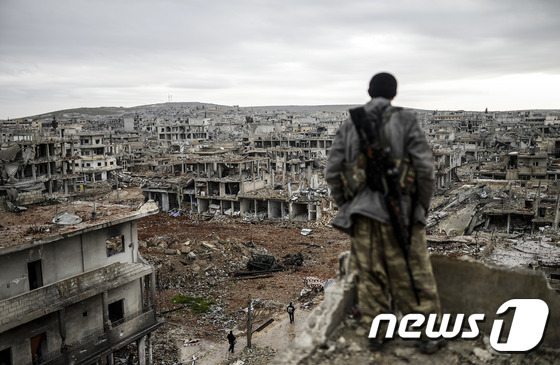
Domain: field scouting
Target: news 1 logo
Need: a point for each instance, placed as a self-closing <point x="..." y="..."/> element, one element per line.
<point x="525" y="333"/>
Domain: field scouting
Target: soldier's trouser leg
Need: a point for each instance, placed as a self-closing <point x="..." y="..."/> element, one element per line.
<point x="370" y="273"/>
<point x="380" y="269"/>
<point x="421" y="267"/>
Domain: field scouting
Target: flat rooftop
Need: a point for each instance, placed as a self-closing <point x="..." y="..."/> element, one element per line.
<point x="35" y="225"/>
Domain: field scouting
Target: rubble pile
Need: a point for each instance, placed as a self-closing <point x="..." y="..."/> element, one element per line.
<point x="198" y="257"/>
<point x="456" y="246"/>
<point x="293" y="260"/>
<point x="165" y="346"/>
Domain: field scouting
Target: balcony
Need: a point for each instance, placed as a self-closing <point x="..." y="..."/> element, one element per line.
<point x="47" y="299"/>
<point x="101" y="343"/>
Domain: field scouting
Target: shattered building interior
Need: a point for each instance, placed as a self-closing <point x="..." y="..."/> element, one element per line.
<point x="497" y="198"/>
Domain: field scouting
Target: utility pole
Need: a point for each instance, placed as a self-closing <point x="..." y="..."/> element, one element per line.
<point x="536" y="212"/>
<point x="117" y="176"/>
<point x="249" y="322"/>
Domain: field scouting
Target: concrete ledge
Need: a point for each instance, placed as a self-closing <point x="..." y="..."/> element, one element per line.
<point x="28" y="306"/>
<point x="465" y="286"/>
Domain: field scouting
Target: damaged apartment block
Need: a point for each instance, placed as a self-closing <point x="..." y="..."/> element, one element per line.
<point x="34" y="168"/>
<point x="76" y="291"/>
<point x="236" y="187"/>
<point x="30" y="168"/>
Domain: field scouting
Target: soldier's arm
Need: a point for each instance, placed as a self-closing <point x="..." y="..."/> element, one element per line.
<point x="335" y="165"/>
<point x="423" y="163"/>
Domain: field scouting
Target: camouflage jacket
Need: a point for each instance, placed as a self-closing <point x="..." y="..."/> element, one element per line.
<point x="405" y="137"/>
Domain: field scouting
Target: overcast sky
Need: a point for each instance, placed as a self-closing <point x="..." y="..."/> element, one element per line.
<point x="446" y="55"/>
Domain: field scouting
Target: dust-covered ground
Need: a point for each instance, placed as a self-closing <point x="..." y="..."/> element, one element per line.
<point x="200" y="256"/>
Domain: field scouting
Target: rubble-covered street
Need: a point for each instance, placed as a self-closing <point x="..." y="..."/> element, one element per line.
<point x="199" y="255"/>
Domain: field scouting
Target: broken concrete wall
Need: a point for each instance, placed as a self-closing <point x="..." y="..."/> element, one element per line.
<point x="299" y="211"/>
<point x="473" y="287"/>
<point x="464" y="287"/>
<point x="248" y="186"/>
<point x="275" y="209"/>
<point x="25" y="198"/>
<point x="30" y="197"/>
<point x="247" y="205"/>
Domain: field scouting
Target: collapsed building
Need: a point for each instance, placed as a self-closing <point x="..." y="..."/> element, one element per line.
<point x="73" y="287"/>
<point x="36" y="166"/>
<point x="235" y="187"/>
<point x="31" y="167"/>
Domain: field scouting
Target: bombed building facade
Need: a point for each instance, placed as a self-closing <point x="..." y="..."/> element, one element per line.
<point x="74" y="290"/>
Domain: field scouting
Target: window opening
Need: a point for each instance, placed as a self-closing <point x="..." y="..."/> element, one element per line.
<point x="116" y="311"/>
<point x="35" y="274"/>
<point x="6" y="356"/>
<point x="38" y="348"/>
<point x="114" y="245"/>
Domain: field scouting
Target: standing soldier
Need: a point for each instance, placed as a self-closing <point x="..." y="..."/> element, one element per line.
<point x="231" y="340"/>
<point x="381" y="173"/>
<point x="290" y="309"/>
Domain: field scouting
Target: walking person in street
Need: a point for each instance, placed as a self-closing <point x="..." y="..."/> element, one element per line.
<point x="232" y="341"/>
<point x="380" y="170"/>
<point x="290" y="309"/>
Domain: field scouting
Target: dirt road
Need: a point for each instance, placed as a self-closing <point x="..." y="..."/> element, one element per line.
<point x="277" y="336"/>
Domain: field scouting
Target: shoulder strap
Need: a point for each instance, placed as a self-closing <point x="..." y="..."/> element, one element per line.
<point x="369" y="125"/>
<point x="386" y="117"/>
<point x="366" y="125"/>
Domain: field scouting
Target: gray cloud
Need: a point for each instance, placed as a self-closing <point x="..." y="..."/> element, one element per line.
<point x="60" y="53"/>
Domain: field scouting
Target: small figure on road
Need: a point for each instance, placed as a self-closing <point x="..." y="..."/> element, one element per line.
<point x="290" y="309"/>
<point x="231" y="340"/>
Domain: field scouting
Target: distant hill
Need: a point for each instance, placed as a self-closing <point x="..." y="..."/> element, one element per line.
<point x="302" y="108"/>
<point x="120" y="111"/>
<point x="177" y="106"/>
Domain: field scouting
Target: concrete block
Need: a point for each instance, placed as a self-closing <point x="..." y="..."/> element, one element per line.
<point x="468" y="286"/>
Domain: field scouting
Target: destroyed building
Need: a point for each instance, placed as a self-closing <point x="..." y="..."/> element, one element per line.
<point x="97" y="160"/>
<point x="175" y="134"/>
<point x="73" y="286"/>
<point x="31" y="167"/>
<point x="185" y="161"/>
<point x="190" y="142"/>
<point x="233" y="187"/>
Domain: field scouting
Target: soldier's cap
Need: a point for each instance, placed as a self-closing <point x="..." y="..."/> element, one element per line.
<point x="383" y="84"/>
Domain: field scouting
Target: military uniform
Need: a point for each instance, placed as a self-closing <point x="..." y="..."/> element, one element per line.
<point x="376" y="258"/>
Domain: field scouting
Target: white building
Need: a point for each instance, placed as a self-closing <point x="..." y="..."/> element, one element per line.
<point x="76" y="291"/>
